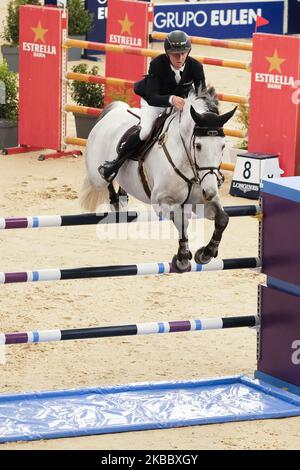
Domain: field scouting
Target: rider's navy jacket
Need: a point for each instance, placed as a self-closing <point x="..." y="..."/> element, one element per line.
<point x="157" y="87"/>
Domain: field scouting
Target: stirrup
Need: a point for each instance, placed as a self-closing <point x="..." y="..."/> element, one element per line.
<point x="109" y="178"/>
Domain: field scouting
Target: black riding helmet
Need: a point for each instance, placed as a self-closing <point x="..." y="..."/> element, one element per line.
<point x="177" y="42"/>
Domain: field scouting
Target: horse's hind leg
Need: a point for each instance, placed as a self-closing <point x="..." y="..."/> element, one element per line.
<point x="206" y="253"/>
<point x="117" y="200"/>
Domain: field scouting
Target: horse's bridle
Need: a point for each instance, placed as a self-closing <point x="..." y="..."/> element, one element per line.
<point x="197" y="132"/>
<point x="206" y="132"/>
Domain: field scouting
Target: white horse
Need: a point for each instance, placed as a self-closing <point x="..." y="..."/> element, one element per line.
<point x="183" y="167"/>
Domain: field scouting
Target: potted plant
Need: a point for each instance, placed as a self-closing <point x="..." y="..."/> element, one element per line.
<point x="10" y="50"/>
<point x="9" y="107"/>
<point x="123" y="93"/>
<point x="86" y="94"/>
<point x="80" y="23"/>
<point x="243" y="118"/>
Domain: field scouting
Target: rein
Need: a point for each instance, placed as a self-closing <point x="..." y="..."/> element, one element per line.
<point x="197" y="132"/>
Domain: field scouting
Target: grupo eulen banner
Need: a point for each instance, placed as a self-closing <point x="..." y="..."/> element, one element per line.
<point x="220" y="19"/>
<point x="210" y="19"/>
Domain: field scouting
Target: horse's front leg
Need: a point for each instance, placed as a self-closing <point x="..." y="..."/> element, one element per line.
<point x="215" y="211"/>
<point x="175" y="212"/>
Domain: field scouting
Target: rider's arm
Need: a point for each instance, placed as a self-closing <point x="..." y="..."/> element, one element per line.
<point x="153" y="95"/>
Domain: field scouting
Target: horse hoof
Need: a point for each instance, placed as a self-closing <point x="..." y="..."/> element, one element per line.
<point x="180" y="266"/>
<point x="200" y="257"/>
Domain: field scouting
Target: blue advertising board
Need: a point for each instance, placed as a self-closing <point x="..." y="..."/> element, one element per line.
<point x="293" y="16"/>
<point x="99" y="10"/>
<point x="220" y="19"/>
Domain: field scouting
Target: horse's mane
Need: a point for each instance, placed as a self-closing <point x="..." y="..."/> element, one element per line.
<point x="203" y="101"/>
<point x="208" y="98"/>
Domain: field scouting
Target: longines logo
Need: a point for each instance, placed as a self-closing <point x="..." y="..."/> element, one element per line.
<point x="275" y="80"/>
<point x="129" y="40"/>
<point x="38" y="47"/>
<point x="245" y="187"/>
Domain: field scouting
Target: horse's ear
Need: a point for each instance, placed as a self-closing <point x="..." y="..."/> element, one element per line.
<point x="225" y="117"/>
<point x="211" y="91"/>
<point x="196" y="116"/>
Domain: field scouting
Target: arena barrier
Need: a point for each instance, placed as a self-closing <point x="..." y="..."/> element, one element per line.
<point x="149" y="328"/>
<point x="40" y="221"/>
<point x="273" y="394"/>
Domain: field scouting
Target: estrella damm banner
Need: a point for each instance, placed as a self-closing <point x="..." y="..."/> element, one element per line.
<point x="40" y="75"/>
<point x="127" y="25"/>
<point x="274" y="107"/>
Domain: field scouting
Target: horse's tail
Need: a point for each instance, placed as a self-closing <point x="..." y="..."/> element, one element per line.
<point x="91" y="197"/>
<point x="94" y="189"/>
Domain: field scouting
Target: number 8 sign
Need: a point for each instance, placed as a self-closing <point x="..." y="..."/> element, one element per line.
<point x="250" y="169"/>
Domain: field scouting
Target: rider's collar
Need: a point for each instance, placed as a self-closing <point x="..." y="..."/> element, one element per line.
<point x="177" y="70"/>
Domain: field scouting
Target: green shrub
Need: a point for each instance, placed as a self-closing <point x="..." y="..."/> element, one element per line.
<point x="9" y="110"/>
<point x="80" y="20"/>
<point x="243" y="118"/>
<point x="122" y="93"/>
<point x="11" y="26"/>
<point x="87" y="94"/>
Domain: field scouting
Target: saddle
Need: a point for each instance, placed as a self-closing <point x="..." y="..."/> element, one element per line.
<point x="149" y="142"/>
<point x="141" y="154"/>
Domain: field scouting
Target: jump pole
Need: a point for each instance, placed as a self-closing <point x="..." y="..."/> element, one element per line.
<point x="143" y="269"/>
<point x="153" y="53"/>
<point x="41" y="221"/>
<point x="87" y="78"/>
<point x="228" y="132"/>
<point x="43" y="336"/>
<point x="242" y="46"/>
<point x="97" y="111"/>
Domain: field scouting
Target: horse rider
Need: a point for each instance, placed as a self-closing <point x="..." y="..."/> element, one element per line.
<point x="169" y="79"/>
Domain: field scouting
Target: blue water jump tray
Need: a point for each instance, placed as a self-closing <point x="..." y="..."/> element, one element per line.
<point x="70" y="413"/>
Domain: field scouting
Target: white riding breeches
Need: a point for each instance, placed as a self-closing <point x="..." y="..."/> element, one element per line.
<point x="148" y="116"/>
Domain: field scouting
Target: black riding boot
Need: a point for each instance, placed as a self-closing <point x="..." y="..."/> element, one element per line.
<point x="109" y="170"/>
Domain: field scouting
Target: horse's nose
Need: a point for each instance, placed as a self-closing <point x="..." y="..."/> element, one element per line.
<point x="208" y="195"/>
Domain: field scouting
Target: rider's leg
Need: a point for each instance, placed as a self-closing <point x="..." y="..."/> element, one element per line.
<point x="148" y="115"/>
<point x="110" y="169"/>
